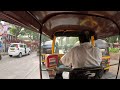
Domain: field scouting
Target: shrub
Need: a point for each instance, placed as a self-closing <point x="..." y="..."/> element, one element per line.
<point x="114" y="50"/>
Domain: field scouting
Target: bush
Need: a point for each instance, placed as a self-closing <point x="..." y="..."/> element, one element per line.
<point x="114" y="50"/>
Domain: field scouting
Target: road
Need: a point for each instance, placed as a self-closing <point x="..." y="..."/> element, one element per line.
<point x="27" y="67"/>
<point x="113" y="71"/>
<point x="19" y="68"/>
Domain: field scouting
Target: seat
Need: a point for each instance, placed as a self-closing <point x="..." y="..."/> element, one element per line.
<point x="86" y="73"/>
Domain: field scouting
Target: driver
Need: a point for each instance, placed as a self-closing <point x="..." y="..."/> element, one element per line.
<point x="84" y="55"/>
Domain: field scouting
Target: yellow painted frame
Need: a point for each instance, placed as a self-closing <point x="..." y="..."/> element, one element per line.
<point x="53" y="44"/>
<point x="93" y="41"/>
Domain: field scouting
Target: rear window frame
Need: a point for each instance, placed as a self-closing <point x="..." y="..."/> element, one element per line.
<point x="14" y="45"/>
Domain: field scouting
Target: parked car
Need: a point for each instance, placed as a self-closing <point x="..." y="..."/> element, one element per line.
<point x="46" y="48"/>
<point x="18" y="49"/>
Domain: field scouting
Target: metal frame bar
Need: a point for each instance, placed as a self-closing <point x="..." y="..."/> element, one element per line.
<point x="53" y="44"/>
<point x="118" y="64"/>
<point x="31" y="14"/>
<point x="40" y="31"/>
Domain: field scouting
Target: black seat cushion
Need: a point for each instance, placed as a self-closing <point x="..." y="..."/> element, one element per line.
<point x="84" y="73"/>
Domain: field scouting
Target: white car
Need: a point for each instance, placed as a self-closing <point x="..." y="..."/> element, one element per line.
<point x="18" y="49"/>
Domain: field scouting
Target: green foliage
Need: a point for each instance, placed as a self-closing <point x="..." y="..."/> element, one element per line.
<point x="114" y="50"/>
<point x="45" y="38"/>
<point x="31" y="34"/>
<point x="73" y="40"/>
<point x="20" y="32"/>
<point x="15" y="30"/>
<point x="112" y="39"/>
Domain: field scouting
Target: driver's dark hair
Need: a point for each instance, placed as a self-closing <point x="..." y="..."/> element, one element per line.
<point x="85" y="35"/>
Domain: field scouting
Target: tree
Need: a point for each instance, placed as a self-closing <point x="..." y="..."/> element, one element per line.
<point x="31" y="34"/>
<point x="112" y="39"/>
<point x="15" y="30"/>
<point x="73" y="40"/>
<point x="44" y="38"/>
<point x="20" y="32"/>
<point x="61" y="40"/>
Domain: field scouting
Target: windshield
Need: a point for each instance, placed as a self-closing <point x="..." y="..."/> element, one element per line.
<point x="64" y="44"/>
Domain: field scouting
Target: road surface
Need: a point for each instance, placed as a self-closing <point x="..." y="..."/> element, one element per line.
<point x="19" y="68"/>
<point x="27" y="67"/>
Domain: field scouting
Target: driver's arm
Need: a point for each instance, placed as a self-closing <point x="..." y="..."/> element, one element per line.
<point x="99" y="53"/>
<point x="67" y="59"/>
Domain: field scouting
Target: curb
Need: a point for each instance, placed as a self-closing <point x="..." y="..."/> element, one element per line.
<point x="4" y="54"/>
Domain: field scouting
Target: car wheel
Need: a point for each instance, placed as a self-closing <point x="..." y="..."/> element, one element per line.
<point x="107" y="70"/>
<point x="10" y="55"/>
<point x="43" y="63"/>
<point x="20" y="55"/>
<point x="29" y="53"/>
<point x="0" y="57"/>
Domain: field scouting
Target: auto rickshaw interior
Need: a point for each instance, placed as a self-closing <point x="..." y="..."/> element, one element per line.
<point x="103" y="46"/>
<point x="66" y="23"/>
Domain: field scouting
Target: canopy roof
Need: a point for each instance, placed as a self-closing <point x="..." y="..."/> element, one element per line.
<point x="102" y="22"/>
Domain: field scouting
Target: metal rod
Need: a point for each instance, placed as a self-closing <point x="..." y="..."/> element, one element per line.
<point x="40" y="53"/>
<point x="118" y="68"/>
<point x="30" y="13"/>
<point x="114" y="64"/>
<point x="119" y="55"/>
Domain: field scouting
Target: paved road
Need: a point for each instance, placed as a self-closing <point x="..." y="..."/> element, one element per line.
<point x="27" y="67"/>
<point x="113" y="71"/>
<point x="18" y="68"/>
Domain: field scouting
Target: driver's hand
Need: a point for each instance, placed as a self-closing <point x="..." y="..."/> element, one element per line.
<point x="60" y="62"/>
